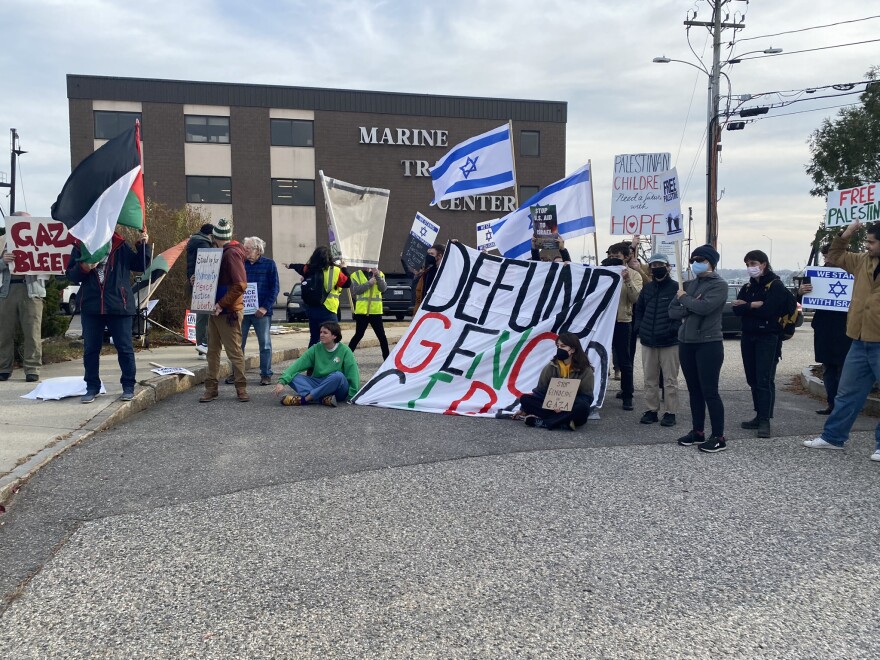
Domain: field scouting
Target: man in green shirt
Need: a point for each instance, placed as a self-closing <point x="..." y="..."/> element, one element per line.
<point x="335" y="376"/>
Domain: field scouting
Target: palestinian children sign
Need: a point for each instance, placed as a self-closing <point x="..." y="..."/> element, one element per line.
<point x="487" y="329"/>
<point x="207" y="273"/>
<point x="832" y="289"/>
<point x="861" y="203"/>
<point x="421" y="237"/>
<point x="41" y="246"/>
<point x="637" y="204"/>
<point x="485" y="239"/>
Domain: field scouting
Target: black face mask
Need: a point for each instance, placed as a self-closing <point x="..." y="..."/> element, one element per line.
<point x="562" y="354"/>
<point x="430" y="261"/>
<point x="612" y="261"/>
<point x="659" y="273"/>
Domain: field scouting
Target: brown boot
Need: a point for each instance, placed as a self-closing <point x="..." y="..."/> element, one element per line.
<point x="242" y="394"/>
<point x="209" y="395"/>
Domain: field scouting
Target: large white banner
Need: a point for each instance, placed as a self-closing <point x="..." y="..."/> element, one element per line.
<point x="487" y="329"/>
<point x="637" y="204"/>
<point x="832" y="289"/>
<point x="356" y="216"/>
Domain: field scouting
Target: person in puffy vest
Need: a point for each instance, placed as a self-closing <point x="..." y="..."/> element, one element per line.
<point x="367" y="285"/>
<point x="335" y="279"/>
<point x="658" y="334"/>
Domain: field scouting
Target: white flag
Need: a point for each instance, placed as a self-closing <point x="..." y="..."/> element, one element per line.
<point x="476" y="166"/>
<point x="356" y="216"/>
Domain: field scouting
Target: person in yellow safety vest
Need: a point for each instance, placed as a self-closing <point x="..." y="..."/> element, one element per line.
<point x="368" y="284"/>
<point x="328" y="310"/>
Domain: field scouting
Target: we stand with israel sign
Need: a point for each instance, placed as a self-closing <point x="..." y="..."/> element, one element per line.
<point x="832" y="289"/>
<point x="487" y="329"/>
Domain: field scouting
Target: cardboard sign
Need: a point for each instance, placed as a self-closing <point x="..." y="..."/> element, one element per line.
<point x="545" y="223"/>
<point x="671" y="227"/>
<point x="251" y="300"/>
<point x="41" y="246"/>
<point x="637" y="205"/>
<point x="485" y="239"/>
<point x="561" y="393"/>
<point x="486" y="330"/>
<point x="832" y="289"/>
<point x="207" y="273"/>
<point x="861" y="203"/>
<point x="421" y="237"/>
<point x="189" y="326"/>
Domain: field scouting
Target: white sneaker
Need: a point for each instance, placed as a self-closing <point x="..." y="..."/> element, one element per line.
<point x="819" y="443"/>
<point x="876" y="456"/>
<point x="594" y="414"/>
<point x="201" y="356"/>
<point x="202" y="348"/>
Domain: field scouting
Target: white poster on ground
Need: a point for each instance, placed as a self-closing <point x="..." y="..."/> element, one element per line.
<point x="637" y="205"/>
<point x="356" y="216"/>
<point x="832" y="289"/>
<point x="487" y="329"/>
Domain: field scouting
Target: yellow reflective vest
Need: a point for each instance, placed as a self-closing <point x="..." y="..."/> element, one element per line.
<point x="332" y="300"/>
<point x="369" y="301"/>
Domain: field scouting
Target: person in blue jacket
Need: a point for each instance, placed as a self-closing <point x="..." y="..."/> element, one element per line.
<point x="106" y="301"/>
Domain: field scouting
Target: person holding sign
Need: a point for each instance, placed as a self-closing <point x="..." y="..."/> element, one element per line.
<point x="335" y="376"/>
<point x="323" y="282"/>
<point x="700" y="347"/>
<point x="261" y="271"/>
<point x="367" y="284"/>
<point x="425" y="277"/>
<point x="862" y="367"/>
<point x="106" y="301"/>
<point x="570" y="362"/>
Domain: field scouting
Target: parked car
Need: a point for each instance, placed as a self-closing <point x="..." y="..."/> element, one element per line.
<point x="296" y="308"/>
<point x="397" y="300"/>
<point x="731" y="325"/>
<point x="68" y="299"/>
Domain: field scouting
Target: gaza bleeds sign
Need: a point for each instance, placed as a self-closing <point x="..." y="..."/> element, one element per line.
<point x="487" y="329"/>
<point x="41" y="246"/>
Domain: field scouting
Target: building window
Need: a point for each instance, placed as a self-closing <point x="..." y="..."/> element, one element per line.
<point x="110" y="124"/>
<point x="293" y="192"/>
<point x="530" y="143"/>
<point x="292" y="133"/>
<point x="213" y="130"/>
<point x="209" y="190"/>
<point x="526" y="193"/>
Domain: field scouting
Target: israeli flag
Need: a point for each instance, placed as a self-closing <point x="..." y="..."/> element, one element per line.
<point x="476" y="166"/>
<point x="573" y="198"/>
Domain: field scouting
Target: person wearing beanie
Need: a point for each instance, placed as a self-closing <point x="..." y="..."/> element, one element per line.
<point x="224" y="322"/>
<point x="201" y="239"/>
<point x="698" y="305"/>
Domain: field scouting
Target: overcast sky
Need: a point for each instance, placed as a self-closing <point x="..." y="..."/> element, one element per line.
<point x="594" y="55"/>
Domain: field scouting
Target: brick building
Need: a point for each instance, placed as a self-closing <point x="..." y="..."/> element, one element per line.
<point x="253" y="152"/>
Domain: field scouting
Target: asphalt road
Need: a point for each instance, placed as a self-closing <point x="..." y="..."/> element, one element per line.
<point x="253" y="530"/>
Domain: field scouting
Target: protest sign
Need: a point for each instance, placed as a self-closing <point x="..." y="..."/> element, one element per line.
<point x="169" y="371"/>
<point x="668" y="247"/>
<point x="832" y="289"/>
<point x="189" y="326"/>
<point x="251" y="301"/>
<point x="485" y="239"/>
<point x="861" y="203"/>
<point x="487" y="329"/>
<point x="205" y="287"/>
<point x="422" y="236"/>
<point x="546" y="224"/>
<point x="41" y="246"/>
<point x="561" y="393"/>
<point x="637" y="205"/>
<point x="671" y="225"/>
<point x="356" y="218"/>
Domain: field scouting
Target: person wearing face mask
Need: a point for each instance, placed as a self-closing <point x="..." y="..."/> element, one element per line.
<point x="570" y="361"/>
<point x="658" y="334"/>
<point x="700" y="349"/>
<point x="760" y="303"/>
<point x="425" y="277"/>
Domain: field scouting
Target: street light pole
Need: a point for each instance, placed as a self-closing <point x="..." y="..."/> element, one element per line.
<point x="771" y="246"/>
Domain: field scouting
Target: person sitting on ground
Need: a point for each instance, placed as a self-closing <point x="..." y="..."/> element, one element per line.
<point x="570" y="361"/>
<point x="335" y="376"/>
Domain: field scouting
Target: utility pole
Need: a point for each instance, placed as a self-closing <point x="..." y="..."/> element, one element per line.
<point x="13" y="157"/>
<point x="713" y="132"/>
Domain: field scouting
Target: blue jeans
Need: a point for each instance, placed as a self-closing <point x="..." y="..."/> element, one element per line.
<point x="93" y="339"/>
<point x="336" y="384"/>
<point x="860" y="371"/>
<point x="264" y="339"/>
<point x="317" y="316"/>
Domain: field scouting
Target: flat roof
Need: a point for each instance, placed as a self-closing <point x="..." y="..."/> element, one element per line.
<point x="151" y="90"/>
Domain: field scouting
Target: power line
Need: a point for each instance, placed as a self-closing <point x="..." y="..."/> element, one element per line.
<point x="815" y="27"/>
<point x="800" y="112"/>
<point x="808" y="50"/>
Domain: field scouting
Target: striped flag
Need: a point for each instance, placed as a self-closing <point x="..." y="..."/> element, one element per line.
<point x="158" y="269"/>
<point x="476" y="166"/>
<point x="105" y="189"/>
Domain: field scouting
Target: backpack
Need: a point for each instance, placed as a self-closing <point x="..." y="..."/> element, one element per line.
<point x="793" y="317"/>
<point x="312" y="288"/>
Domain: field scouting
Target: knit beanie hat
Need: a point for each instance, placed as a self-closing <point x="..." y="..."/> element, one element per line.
<point x="223" y="230"/>
<point x="708" y="253"/>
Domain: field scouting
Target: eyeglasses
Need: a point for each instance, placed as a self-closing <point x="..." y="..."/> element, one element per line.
<point x="697" y="260"/>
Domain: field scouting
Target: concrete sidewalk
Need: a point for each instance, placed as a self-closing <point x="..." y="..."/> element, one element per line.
<point x="34" y="432"/>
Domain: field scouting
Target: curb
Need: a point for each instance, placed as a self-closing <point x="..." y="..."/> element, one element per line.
<point x="152" y="391"/>
<point x="815" y="386"/>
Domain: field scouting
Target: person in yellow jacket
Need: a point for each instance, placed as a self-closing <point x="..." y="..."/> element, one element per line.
<point x="335" y="279"/>
<point x="367" y="286"/>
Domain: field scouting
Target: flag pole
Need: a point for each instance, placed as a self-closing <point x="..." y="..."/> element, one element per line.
<point x="593" y="200"/>
<point x="513" y="163"/>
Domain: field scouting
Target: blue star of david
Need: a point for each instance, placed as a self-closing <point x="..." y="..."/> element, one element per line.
<point x="469" y="167"/>
<point x="423" y="231"/>
<point x="838" y="289"/>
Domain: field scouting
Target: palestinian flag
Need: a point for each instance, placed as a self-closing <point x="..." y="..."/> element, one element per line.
<point x="158" y="269"/>
<point x="105" y="189"/>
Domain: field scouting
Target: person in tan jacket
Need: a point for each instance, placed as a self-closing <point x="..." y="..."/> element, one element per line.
<point x="619" y="254"/>
<point x="862" y="366"/>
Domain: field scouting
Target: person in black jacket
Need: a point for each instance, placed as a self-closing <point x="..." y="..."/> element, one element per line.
<point x="106" y="301"/>
<point x="658" y="334"/>
<point x="760" y="303"/>
<point x="201" y="239"/>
